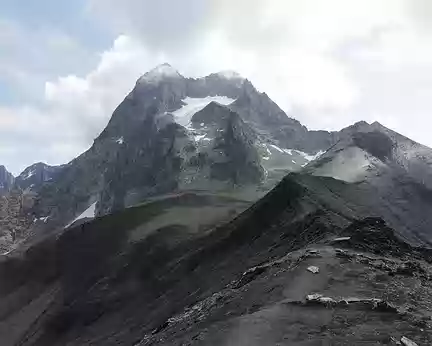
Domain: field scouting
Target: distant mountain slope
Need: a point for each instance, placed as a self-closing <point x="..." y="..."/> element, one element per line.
<point x="34" y="176"/>
<point x="391" y="176"/>
<point x="17" y="216"/>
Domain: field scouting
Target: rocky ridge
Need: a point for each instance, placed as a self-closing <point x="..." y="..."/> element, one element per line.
<point x="6" y="180"/>
<point x="245" y="282"/>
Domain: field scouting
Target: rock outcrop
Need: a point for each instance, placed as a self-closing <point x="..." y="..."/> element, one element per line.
<point x="6" y="180"/>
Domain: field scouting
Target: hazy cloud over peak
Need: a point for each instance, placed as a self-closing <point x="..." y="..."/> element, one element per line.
<point x="327" y="63"/>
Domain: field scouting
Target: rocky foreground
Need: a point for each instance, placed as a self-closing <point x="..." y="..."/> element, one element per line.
<point x="290" y="270"/>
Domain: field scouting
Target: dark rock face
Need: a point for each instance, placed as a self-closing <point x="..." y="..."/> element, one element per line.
<point x="374" y="236"/>
<point x="34" y="176"/>
<point x="6" y="180"/>
<point x="159" y="164"/>
<point x="234" y="156"/>
<point x="213" y="114"/>
<point x="376" y="143"/>
<point x="266" y="116"/>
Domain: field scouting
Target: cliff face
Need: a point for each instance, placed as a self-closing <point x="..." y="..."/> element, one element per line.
<point x="15" y="218"/>
<point x="6" y="180"/>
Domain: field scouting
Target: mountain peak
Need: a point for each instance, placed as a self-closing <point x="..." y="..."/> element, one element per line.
<point x="378" y="126"/>
<point x="160" y="73"/>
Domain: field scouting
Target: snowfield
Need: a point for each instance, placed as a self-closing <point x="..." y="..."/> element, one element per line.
<point x="184" y="114"/>
<point x="89" y="212"/>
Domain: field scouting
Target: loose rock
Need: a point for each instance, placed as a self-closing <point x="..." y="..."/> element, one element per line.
<point x="313" y="269"/>
<point x="407" y="342"/>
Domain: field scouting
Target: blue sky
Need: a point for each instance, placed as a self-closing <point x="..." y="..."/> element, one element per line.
<point x="47" y="38"/>
<point x="65" y="65"/>
<point x="70" y="17"/>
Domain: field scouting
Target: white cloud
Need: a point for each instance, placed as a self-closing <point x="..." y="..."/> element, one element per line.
<point x="289" y="48"/>
<point x="73" y="111"/>
<point x="328" y="63"/>
<point x="31" y="55"/>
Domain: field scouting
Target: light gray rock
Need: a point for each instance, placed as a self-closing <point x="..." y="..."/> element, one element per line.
<point x="313" y="269"/>
<point x="407" y="342"/>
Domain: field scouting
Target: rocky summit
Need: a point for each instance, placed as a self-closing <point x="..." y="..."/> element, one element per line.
<point x="205" y="215"/>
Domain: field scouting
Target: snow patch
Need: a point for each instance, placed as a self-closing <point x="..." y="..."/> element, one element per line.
<point x="277" y="148"/>
<point x="184" y="114"/>
<point x="306" y="156"/>
<point x="120" y="140"/>
<point x="89" y="212"/>
<point x="44" y="219"/>
<point x="199" y="137"/>
<point x="297" y="157"/>
<point x="311" y="157"/>
<point x="29" y="175"/>
<point x="266" y="158"/>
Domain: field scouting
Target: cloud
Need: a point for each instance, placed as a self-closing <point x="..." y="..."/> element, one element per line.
<point x="29" y="56"/>
<point x="286" y="47"/>
<point x="73" y="111"/>
<point x="327" y="63"/>
<point x="163" y="25"/>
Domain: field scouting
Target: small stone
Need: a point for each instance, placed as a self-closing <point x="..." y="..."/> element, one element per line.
<point x="395" y="341"/>
<point x="313" y="253"/>
<point x="335" y="240"/>
<point x="407" y="342"/>
<point x="315" y="296"/>
<point x="313" y="269"/>
<point x="342" y="254"/>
